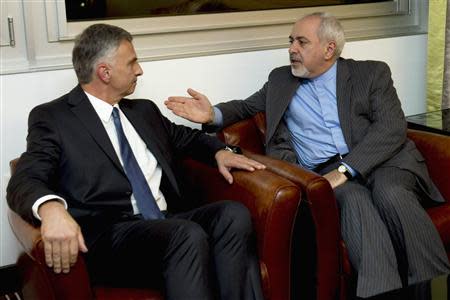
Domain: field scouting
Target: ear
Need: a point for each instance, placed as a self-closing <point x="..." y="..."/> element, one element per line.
<point x="103" y="72"/>
<point x="330" y="48"/>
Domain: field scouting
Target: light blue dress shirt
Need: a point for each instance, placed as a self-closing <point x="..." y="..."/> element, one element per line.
<point x="313" y="121"/>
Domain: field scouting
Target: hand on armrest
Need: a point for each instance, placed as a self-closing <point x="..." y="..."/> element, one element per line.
<point x="61" y="236"/>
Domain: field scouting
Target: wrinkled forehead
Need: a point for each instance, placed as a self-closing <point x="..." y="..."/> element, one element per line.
<point x="306" y="27"/>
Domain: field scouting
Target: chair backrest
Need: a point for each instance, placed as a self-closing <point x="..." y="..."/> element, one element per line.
<point x="436" y="150"/>
<point x="243" y="134"/>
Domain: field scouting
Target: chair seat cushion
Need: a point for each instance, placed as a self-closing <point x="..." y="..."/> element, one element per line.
<point x="108" y="293"/>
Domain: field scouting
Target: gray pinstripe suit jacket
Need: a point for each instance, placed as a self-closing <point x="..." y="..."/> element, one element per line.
<point x="370" y="114"/>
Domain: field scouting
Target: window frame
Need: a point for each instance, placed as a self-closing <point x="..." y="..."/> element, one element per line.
<point x="50" y="37"/>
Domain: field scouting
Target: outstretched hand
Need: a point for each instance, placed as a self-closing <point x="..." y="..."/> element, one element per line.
<point x="196" y="108"/>
<point x="226" y="160"/>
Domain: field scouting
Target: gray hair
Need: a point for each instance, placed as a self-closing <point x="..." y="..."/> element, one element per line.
<point x="330" y="29"/>
<point x="96" y="42"/>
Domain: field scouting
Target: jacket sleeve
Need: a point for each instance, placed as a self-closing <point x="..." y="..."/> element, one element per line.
<point x="35" y="175"/>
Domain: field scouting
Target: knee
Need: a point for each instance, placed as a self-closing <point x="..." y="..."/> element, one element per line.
<point x="393" y="184"/>
<point x="391" y="195"/>
<point x="237" y="217"/>
<point x="190" y="235"/>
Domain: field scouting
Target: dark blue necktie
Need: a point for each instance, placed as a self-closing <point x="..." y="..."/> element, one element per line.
<point x="141" y="191"/>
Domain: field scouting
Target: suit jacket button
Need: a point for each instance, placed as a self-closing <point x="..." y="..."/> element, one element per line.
<point x="128" y="193"/>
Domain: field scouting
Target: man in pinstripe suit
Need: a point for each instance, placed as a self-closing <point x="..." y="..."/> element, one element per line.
<point x="342" y="118"/>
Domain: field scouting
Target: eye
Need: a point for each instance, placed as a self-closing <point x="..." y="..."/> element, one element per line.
<point x="302" y="42"/>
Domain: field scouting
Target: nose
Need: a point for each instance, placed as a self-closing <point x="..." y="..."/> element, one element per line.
<point x="139" y="70"/>
<point x="293" y="48"/>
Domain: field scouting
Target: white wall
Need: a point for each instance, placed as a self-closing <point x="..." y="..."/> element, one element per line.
<point x="220" y="77"/>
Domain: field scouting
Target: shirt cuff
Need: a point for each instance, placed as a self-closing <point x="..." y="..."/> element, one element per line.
<point x="218" y="118"/>
<point x="44" y="199"/>
<point x="351" y="170"/>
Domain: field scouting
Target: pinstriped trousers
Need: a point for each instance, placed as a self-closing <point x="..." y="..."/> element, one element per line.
<point x="391" y="241"/>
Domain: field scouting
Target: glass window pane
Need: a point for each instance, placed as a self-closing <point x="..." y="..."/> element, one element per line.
<point x="79" y="10"/>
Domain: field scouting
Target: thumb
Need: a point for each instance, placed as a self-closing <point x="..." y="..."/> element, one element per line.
<point x="194" y="93"/>
<point x="226" y="174"/>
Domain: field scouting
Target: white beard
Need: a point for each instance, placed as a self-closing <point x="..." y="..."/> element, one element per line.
<point x="300" y="72"/>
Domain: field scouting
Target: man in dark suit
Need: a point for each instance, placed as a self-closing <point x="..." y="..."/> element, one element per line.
<point x="100" y="173"/>
<point x="342" y="118"/>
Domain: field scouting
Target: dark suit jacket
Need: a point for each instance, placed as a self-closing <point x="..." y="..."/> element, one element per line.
<point x="70" y="154"/>
<point x="370" y="114"/>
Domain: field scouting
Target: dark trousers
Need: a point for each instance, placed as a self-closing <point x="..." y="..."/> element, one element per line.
<point x="206" y="253"/>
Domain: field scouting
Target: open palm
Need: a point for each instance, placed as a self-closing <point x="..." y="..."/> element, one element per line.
<point x="196" y="108"/>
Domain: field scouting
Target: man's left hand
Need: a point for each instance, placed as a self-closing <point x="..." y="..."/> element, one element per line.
<point x="226" y="160"/>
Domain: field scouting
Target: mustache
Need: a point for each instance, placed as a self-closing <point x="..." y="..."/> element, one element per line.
<point x="292" y="57"/>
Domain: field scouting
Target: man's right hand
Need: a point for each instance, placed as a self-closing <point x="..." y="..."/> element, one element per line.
<point x="335" y="178"/>
<point x="61" y="236"/>
<point x="197" y="109"/>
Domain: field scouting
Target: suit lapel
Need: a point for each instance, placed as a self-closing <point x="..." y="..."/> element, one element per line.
<point x="275" y="110"/>
<point x="150" y="138"/>
<point x="343" y="95"/>
<point x="83" y="109"/>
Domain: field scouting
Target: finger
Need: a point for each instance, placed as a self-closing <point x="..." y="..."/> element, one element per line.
<point x="176" y="108"/>
<point x="65" y="256"/>
<point x="240" y="164"/>
<point x="256" y="164"/>
<point x="73" y="251"/>
<point x="250" y="161"/>
<point x="48" y="253"/>
<point x="81" y="244"/>
<point x="243" y="166"/>
<point x="56" y="256"/>
<point x="172" y="100"/>
<point x="226" y="174"/>
<point x="173" y="106"/>
<point x="181" y="113"/>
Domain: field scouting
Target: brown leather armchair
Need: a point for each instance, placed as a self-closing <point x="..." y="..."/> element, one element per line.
<point x="271" y="199"/>
<point x="436" y="150"/>
<point x="323" y="272"/>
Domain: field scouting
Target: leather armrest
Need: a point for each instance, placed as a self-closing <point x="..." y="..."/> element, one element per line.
<point x="436" y="150"/>
<point x="317" y="223"/>
<point x="272" y="201"/>
<point x="27" y="235"/>
<point x="319" y="197"/>
<point x="38" y="280"/>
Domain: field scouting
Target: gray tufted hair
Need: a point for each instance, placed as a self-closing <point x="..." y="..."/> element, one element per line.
<point x="98" y="41"/>
<point x="330" y="29"/>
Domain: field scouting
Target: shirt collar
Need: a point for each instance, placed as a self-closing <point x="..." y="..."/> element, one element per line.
<point x="103" y="109"/>
<point x="328" y="75"/>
